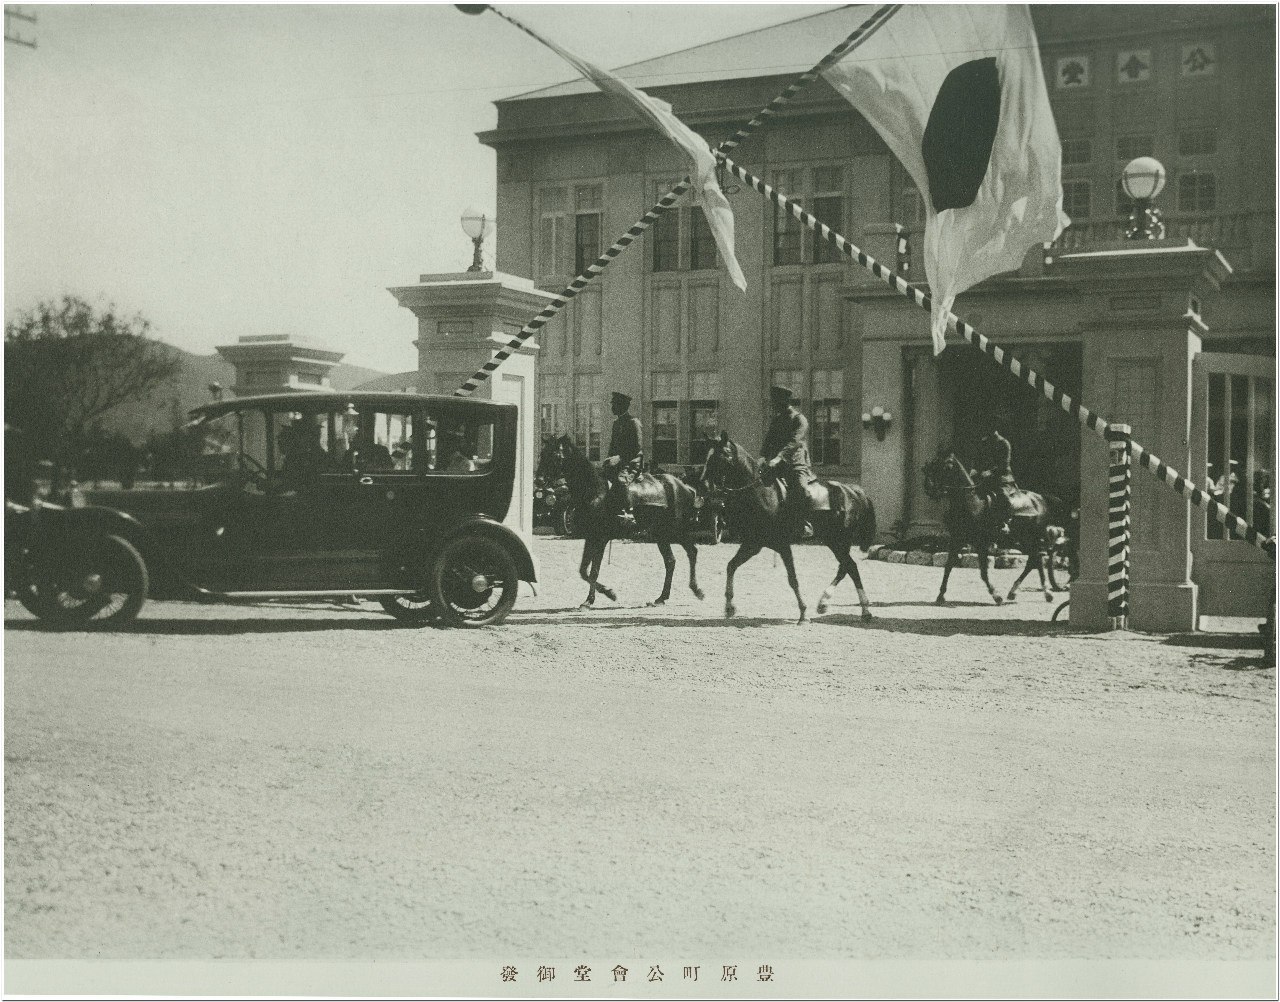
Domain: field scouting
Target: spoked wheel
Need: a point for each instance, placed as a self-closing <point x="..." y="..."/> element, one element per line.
<point x="102" y="585"/>
<point x="416" y="609"/>
<point x="474" y="582"/>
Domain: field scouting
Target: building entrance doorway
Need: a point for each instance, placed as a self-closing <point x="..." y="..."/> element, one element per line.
<point x="979" y="396"/>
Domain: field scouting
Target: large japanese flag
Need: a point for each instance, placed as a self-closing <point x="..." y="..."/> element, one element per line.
<point x="958" y="95"/>
<point x="659" y="114"/>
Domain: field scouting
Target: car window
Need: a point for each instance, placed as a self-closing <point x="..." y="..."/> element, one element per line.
<point x="458" y="445"/>
<point x="375" y="439"/>
<point x="220" y="441"/>
<point x="305" y="445"/>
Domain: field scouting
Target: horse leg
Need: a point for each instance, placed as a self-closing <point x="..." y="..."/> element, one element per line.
<point x="825" y="597"/>
<point x="1042" y="558"/>
<point x="790" y="563"/>
<point x="745" y="552"/>
<point x="983" y="556"/>
<point x="588" y="570"/>
<point x="691" y="550"/>
<point x="1013" y="592"/>
<point x="953" y="558"/>
<point x="669" y="562"/>
<point x="857" y="583"/>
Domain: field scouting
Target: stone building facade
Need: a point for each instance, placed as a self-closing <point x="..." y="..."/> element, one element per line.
<point x="1193" y="86"/>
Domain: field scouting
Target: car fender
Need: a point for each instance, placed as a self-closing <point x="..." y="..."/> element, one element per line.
<point x="517" y="543"/>
<point x="58" y="528"/>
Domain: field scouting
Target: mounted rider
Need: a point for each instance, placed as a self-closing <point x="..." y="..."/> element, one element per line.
<point x="623" y="463"/>
<point x="785" y="452"/>
<point x="995" y="457"/>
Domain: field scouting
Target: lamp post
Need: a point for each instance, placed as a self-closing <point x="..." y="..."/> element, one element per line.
<point x="1142" y="180"/>
<point x="477" y="225"/>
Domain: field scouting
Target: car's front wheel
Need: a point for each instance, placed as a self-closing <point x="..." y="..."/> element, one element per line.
<point x="415" y="609"/>
<point x="102" y="584"/>
<point x="474" y="582"/>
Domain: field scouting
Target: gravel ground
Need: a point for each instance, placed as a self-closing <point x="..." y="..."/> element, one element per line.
<point x="294" y="781"/>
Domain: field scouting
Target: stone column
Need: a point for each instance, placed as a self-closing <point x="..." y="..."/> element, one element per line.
<point x="1140" y="331"/>
<point x="463" y="318"/>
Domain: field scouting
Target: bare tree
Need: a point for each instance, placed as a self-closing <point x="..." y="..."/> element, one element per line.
<point x="66" y="365"/>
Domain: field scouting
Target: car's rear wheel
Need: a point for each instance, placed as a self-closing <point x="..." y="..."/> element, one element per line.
<point x="415" y="609"/>
<point x="474" y="582"/>
<point x="100" y="585"/>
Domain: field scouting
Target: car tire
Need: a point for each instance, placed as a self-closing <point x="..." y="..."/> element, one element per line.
<point x="474" y="582"/>
<point x="567" y="521"/>
<point x="105" y="588"/>
<point x="417" y="610"/>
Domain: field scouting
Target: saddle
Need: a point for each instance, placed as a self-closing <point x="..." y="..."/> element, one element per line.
<point x="646" y="489"/>
<point x="816" y="495"/>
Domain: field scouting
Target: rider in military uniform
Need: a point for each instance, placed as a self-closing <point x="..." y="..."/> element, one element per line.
<point x="786" y="446"/>
<point x="996" y="457"/>
<point x="622" y="464"/>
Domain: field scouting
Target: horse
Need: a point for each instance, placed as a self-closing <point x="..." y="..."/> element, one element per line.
<point x="755" y="509"/>
<point x="664" y="506"/>
<point x="971" y="518"/>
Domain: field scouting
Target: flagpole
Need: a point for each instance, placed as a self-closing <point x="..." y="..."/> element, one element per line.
<point x="1094" y="422"/>
<point x="860" y="35"/>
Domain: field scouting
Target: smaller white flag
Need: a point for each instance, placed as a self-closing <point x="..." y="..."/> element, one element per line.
<point x="659" y="114"/>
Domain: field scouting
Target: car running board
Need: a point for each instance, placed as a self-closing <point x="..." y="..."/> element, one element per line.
<point x="328" y="593"/>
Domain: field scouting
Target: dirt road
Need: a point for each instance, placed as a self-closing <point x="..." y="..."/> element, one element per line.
<point x="316" y="781"/>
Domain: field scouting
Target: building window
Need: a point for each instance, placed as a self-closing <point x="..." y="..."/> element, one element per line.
<point x="828" y="207"/>
<point x="666" y="432"/>
<point x="666" y="241"/>
<point x="587" y="226"/>
<point x="553" y="234"/>
<point x="704" y="413"/>
<point x="587" y="418"/>
<point x="1075" y="199"/>
<point x="1076" y="151"/>
<point x="702" y="244"/>
<point x="1129" y="147"/>
<point x="554" y="405"/>
<point x="828" y="397"/>
<point x="1197" y="142"/>
<point x="787" y="230"/>
<point x="1197" y="193"/>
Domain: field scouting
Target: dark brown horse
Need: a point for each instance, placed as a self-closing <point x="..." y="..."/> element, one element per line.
<point x="971" y="519"/>
<point x="664" y="507"/>
<point x="756" y="512"/>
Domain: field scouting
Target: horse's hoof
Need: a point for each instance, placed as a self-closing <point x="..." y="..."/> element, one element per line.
<point x="729" y="610"/>
<point x="697" y="593"/>
<point x="1048" y="597"/>
<point x="803" y="620"/>
<point x="657" y="602"/>
<point x="609" y="594"/>
<point x="585" y="606"/>
<point x="821" y="609"/>
<point x="939" y="601"/>
<point x="1011" y="597"/>
<point x="999" y="600"/>
<point x="866" y="616"/>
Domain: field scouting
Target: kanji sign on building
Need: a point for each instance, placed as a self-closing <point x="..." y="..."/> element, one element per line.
<point x="1072" y="73"/>
<point x="1199" y="59"/>
<point x="1133" y="65"/>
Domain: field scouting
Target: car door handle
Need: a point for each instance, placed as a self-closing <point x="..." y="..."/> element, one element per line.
<point x="366" y="481"/>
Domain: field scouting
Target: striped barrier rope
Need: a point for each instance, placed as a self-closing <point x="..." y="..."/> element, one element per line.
<point x="863" y="32"/>
<point x="1094" y="422"/>
<point x="1118" y="525"/>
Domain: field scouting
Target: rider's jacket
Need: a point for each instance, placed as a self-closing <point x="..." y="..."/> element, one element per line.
<point x="788" y="439"/>
<point x="624" y="440"/>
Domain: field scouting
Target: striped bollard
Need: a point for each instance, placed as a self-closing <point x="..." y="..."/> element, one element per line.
<point x="1118" y="508"/>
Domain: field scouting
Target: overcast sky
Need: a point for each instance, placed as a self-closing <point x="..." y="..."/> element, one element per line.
<point x="229" y="170"/>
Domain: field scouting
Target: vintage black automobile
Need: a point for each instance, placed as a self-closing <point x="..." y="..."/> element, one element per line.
<point x="395" y="496"/>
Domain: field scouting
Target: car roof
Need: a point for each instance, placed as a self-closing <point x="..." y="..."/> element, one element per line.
<point x="320" y="400"/>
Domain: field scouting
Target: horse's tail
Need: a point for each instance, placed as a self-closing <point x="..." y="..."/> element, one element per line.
<point x="866" y="535"/>
<point x="859" y="514"/>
